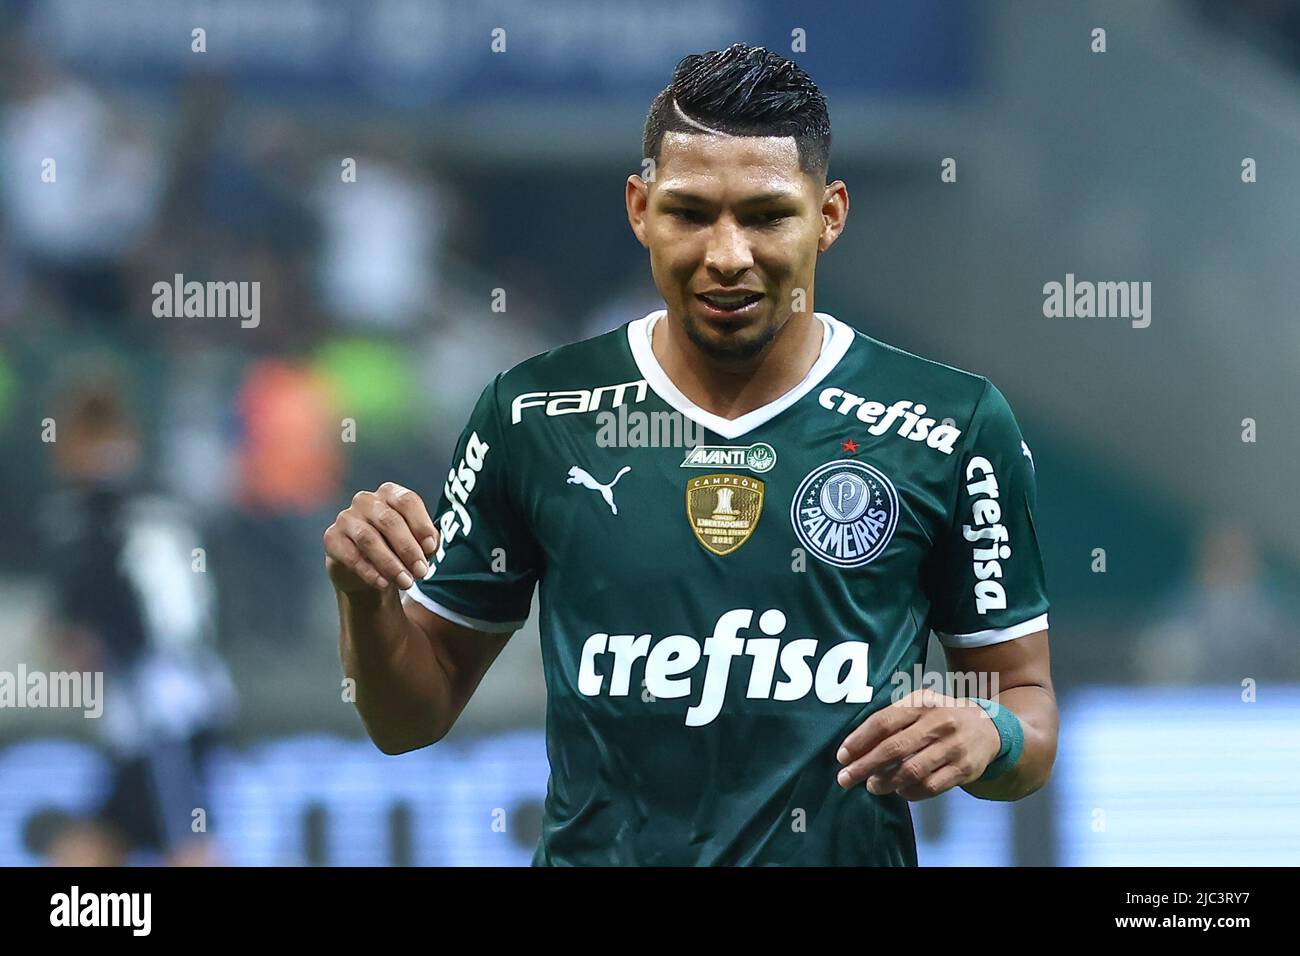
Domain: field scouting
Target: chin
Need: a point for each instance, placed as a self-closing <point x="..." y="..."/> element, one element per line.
<point x="730" y="340"/>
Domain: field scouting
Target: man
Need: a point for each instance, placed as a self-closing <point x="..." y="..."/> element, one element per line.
<point x="129" y="603"/>
<point x="719" y="623"/>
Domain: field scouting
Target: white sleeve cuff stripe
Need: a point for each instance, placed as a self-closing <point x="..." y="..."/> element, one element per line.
<point x="489" y="627"/>
<point x="994" y="635"/>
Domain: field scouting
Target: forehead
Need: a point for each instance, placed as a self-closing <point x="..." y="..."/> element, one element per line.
<point x="717" y="162"/>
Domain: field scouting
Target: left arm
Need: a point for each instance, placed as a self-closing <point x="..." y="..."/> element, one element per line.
<point x="928" y="742"/>
<point x="984" y="577"/>
<point x="1020" y="671"/>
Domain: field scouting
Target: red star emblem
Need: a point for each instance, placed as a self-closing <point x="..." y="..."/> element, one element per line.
<point x="850" y="446"/>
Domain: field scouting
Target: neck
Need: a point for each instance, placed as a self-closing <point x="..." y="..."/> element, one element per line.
<point x="732" y="389"/>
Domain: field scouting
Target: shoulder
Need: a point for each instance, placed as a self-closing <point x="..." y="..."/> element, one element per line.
<point x="967" y="400"/>
<point x="576" y="377"/>
<point x="879" y="372"/>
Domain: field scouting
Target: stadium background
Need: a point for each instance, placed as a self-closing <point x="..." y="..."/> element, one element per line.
<point x="479" y="171"/>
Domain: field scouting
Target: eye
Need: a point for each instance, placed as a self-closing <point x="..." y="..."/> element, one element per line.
<point x="686" y="215"/>
<point x="772" y="218"/>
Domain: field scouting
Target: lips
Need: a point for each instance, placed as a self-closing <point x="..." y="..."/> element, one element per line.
<point x="730" y="302"/>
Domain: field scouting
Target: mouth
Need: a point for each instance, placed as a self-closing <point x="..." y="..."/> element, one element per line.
<point x="730" y="306"/>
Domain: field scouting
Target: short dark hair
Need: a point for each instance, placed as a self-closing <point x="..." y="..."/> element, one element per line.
<point x="743" y="91"/>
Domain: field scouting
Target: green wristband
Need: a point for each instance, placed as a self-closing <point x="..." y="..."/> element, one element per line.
<point x="1010" y="733"/>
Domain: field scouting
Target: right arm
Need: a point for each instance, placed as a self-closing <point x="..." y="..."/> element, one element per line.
<point x="414" y="670"/>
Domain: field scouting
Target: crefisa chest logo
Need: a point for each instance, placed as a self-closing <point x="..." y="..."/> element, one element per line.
<point x="845" y="512"/>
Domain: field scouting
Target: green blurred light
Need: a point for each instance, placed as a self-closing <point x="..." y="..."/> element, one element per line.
<point x="373" y="380"/>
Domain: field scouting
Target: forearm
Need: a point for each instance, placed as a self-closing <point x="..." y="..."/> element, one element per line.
<point x="402" y="692"/>
<point x="1035" y="707"/>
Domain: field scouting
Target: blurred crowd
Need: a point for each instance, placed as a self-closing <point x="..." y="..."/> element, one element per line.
<point x="367" y="356"/>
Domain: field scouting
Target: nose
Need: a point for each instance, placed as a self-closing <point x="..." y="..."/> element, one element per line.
<point x="729" y="253"/>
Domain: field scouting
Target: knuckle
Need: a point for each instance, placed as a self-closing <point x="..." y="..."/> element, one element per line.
<point x="390" y="491"/>
<point x="909" y="771"/>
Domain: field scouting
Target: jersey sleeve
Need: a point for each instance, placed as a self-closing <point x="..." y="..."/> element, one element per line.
<point x="986" y="582"/>
<point x="486" y="566"/>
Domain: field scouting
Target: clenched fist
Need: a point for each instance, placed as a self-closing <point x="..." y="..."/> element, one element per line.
<point x="381" y="538"/>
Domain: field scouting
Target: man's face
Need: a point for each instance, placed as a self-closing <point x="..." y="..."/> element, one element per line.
<point x="734" y="214"/>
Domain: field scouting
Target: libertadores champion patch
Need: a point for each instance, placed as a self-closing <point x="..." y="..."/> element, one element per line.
<point x="845" y="512"/>
<point x="723" y="510"/>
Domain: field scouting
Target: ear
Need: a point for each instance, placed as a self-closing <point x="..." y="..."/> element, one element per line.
<point x="835" y="210"/>
<point x="637" y="196"/>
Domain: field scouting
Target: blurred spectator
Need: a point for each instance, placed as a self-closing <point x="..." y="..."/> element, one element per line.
<point x="290" y="463"/>
<point x="291" y="456"/>
<point x="81" y="186"/>
<point x="1225" y="625"/>
<point x="134" y="600"/>
<point x="381" y="248"/>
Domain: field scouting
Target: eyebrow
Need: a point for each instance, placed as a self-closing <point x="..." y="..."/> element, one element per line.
<point x="681" y="195"/>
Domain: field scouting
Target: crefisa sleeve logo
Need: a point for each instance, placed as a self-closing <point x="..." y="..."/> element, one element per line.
<point x="845" y="512"/>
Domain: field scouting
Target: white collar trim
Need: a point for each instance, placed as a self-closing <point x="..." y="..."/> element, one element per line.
<point x="835" y="343"/>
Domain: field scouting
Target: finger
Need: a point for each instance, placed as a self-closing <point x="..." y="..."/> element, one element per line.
<point x="941" y="781"/>
<point x="339" y="547"/>
<point x="401" y="542"/>
<point x="881" y="725"/>
<point x="375" y="549"/>
<point x="411" y="507"/>
<point x="893" y="749"/>
<point x="913" y="770"/>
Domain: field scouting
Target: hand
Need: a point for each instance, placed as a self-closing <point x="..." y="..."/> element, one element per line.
<point x="920" y="746"/>
<point x="381" y="538"/>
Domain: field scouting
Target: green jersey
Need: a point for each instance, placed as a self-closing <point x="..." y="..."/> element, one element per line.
<point x="723" y="601"/>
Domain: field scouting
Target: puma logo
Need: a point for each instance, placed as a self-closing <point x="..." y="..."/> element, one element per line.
<point x="578" y="476"/>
